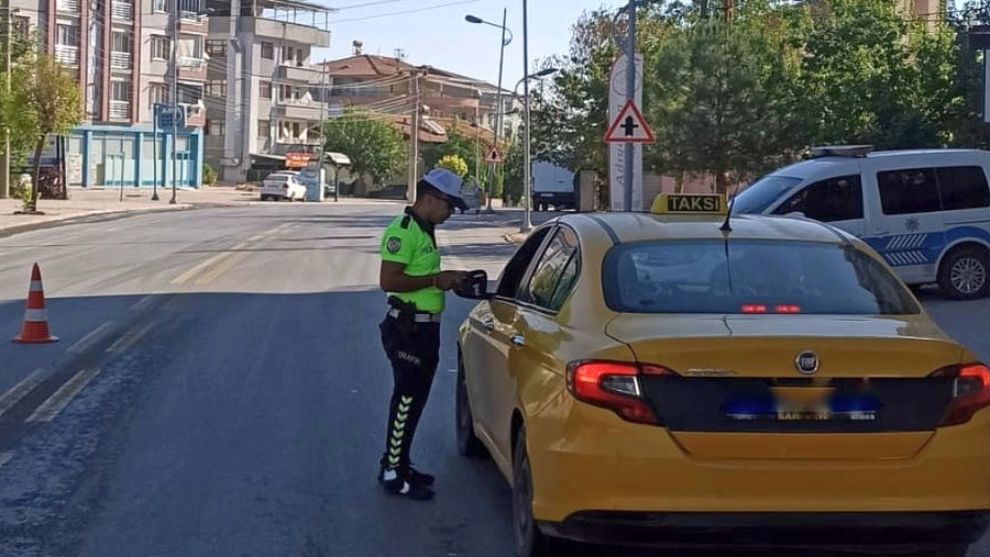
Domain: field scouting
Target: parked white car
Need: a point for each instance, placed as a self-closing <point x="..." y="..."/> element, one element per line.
<point x="927" y="212"/>
<point x="282" y="185"/>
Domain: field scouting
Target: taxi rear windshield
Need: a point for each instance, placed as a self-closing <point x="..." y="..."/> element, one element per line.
<point x="749" y="276"/>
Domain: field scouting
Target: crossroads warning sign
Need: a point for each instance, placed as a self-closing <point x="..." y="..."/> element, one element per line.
<point x="494" y="157"/>
<point x="629" y="127"/>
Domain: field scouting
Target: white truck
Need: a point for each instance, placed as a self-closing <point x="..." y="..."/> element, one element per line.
<point x="553" y="186"/>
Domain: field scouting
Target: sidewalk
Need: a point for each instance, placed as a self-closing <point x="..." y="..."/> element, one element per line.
<point x="100" y="201"/>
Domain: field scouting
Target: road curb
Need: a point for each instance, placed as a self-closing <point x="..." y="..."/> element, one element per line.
<point x="101" y="216"/>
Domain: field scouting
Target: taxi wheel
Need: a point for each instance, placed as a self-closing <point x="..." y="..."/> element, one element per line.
<point x="965" y="274"/>
<point x="530" y="542"/>
<point x="468" y="443"/>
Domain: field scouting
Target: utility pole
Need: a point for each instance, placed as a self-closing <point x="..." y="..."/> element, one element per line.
<point x="630" y="97"/>
<point x="175" y="97"/>
<point x="7" y="44"/>
<point x="323" y="127"/>
<point x="527" y="223"/>
<point x="498" y="107"/>
<point x="233" y="133"/>
<point x="414" y="138"/>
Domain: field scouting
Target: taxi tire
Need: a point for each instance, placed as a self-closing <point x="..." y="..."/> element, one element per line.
<point x="468" y="443"/>
<point x="529" y="540"/>
<point x="945" y="270"/>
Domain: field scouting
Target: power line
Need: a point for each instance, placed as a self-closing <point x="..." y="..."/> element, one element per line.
<point x="403" y="12"/>
<point x="368" y="4"/>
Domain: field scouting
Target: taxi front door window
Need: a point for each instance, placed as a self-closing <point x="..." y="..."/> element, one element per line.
<point x="832" y="200"/>
<point x="543" y="282"/>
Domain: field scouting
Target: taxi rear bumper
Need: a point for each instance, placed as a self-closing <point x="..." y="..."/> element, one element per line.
<point x="885" y="531"/>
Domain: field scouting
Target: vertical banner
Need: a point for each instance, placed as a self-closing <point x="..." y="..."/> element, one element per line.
<point x="616" y="151"/>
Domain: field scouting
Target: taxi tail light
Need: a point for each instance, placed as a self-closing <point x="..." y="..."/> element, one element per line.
<point x="970" y="391"/>
<point x="613" y="385"/>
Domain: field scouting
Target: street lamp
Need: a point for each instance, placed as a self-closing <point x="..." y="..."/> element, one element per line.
<point x="498" y="94"/>
<point x="527" y="223"/>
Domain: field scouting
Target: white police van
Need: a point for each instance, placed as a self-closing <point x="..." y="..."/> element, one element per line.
<point x="927" y="212"/>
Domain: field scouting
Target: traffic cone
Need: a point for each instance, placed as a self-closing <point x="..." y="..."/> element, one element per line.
<point x="35" y="328"/>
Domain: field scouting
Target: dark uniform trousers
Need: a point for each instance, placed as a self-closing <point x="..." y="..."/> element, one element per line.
<point x="414" y="350"/>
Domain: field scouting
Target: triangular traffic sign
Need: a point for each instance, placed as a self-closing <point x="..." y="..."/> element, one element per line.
<point x="494" y="156"/>
<point x="629" y="126"/>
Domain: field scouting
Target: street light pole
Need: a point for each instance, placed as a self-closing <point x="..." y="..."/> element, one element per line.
<point x="498" y="93"/>
<point x="527" y="223"/>
<point x="630" y="95"/>
<point x="5" y="159"/>
<point x="175" y="96"/>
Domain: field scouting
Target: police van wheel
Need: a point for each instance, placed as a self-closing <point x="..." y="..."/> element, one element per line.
<point x="965" y="274"/>
<point x="468" y="443"/>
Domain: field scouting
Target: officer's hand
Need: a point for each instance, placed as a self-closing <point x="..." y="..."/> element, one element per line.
<point x="448" y="280"/>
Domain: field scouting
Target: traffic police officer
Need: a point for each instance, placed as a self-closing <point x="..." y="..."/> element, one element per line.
<point x="411" y="276"/>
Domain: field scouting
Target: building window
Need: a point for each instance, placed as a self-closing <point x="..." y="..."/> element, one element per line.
<point x="190" y="47"/>
<point x="67" y="35"/>
<point x="190" y="94"/>
<point x="265" y="89"/>
<point x="160" y="6"/>
<point x="216" y="49"/>
<point x="161" y="49"/>
<point x="264" y="129"/>
<point x="190" y="9"/>
<point x="216" y="88"/>
<point x="120" y="91"/>
<point x="268" y="51"/>
<point x="215" y="128"/>
<point x="157" y="94"/>
<point x="22" y="26"/>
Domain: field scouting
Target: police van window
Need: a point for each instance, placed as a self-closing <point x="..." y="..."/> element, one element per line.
<point x="963" y="187"/>
<point x="909" y="191"/>
<point x="750" y="276"/>
<point x="831" y="200"/>
<point x="763" y="193"/>
<point x="549" y="269"/>
<point x="515" y="269"/>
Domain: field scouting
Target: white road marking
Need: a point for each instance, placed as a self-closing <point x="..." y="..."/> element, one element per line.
<point x="21" y="390"/>
<point x="131" y="338"/>
<point x="62" y="397"/>
<point x="5" y="458"/>
<point x="91" y="338"/>
<point x="185" y="277"/>
<point x="143" y="302"/>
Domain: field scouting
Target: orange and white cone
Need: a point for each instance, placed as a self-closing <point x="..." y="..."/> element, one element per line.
<point x="35" y="328"/>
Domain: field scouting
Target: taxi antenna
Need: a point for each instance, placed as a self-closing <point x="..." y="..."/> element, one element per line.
<point x="726" y="226"/>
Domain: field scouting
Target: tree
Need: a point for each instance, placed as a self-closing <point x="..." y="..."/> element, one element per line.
<point x="454" y="164"/>
<point x="722" y="96"/>
<point x="458" y="144"/>
<point x="373" y="145"/>
<point x="16" y="113"/>
<point x="56" y="101"/>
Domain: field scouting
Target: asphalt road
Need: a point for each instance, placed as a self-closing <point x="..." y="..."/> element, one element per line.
<point x="219" y="389"/>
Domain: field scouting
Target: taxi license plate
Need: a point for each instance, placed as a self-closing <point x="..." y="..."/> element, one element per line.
<point x="838" y="408"/>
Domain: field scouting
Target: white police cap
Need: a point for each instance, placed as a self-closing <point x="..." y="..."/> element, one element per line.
<point x="447" y="183"/>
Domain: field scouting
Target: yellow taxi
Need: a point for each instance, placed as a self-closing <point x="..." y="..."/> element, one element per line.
<point x="680" y="378"/>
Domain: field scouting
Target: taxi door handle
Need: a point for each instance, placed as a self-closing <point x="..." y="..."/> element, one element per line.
<point x="489" y="324"/>
<point x="518" y="340"/>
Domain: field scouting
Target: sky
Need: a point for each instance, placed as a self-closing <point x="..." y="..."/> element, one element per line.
<point x="442" y="38"/>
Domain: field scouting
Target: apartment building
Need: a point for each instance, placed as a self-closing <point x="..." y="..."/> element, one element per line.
<point x="119" y="51"/>
<point x="264" y="98"/>
<point x="381" y="83"/>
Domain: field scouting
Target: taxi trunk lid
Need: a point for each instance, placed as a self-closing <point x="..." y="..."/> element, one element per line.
<point x="864" y="389"/>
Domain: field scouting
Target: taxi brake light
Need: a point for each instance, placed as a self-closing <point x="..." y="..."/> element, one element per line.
<point x="788" y="308"/>
<point x="970" y="392"/>
<point x="612" y="385"/>
<point x="754" y="308"/>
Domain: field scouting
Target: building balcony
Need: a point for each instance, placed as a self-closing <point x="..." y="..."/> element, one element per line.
<point x="192" y="69"/>
<point x="290" y="72"/>
<point x="67" y="55"/>
<point x="300" y="110"/>
<point x="273" y="29"/>
<point x="68" y="6"/>
<point x="122" y="11"/>
<point x="120" y="110"/>
<point x="120" y="60"/>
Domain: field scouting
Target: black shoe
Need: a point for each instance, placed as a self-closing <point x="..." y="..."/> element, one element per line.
<point x="404" y="486"/>
<point x="421" y="477"/>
